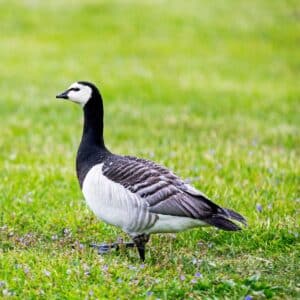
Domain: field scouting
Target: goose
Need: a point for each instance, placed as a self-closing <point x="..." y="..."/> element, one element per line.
<point x="137" y="195"/>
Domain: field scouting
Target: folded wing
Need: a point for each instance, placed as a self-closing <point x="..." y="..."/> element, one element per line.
<point x="165" y="193"/>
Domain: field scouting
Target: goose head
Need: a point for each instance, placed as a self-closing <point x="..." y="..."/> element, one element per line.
<point x="79" y="92"/>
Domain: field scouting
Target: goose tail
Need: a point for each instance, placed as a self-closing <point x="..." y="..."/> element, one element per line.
<point x="224" y="220"/>
<point x="231" y="214"/>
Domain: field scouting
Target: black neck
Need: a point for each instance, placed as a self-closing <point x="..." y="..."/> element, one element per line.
<point x="92" y="149"/>
<point x="93" y="122"/>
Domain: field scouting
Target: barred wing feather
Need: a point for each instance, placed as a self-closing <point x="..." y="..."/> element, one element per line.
<point x="163" y="191"/>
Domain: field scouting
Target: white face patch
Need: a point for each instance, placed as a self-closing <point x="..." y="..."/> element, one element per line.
<point x="79" y="93"/>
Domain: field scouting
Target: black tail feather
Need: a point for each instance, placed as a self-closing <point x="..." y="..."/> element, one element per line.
<point x="220" y="217"/>
<point x="221" y="222"/>
<point x="234" y="215"/>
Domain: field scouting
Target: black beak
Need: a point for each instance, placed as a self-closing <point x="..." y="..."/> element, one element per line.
<point x="63" y="95"/>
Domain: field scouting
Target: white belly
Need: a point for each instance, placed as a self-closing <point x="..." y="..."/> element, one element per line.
<point x="112" y="203"/>
<point x="166" y="223"/>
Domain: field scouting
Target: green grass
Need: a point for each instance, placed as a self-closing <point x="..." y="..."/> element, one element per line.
<point x="210" y="89"/>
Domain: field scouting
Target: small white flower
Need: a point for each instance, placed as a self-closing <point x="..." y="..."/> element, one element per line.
<point x="47" y="273"/>
<point x="54" y="237"/>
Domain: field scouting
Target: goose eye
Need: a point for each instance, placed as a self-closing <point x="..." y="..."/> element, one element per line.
<point x="75" y="89"/>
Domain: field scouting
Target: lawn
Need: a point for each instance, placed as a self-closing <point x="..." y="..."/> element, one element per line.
<point x="208" y="88"/>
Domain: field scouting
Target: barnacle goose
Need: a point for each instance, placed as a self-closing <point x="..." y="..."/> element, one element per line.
<point x="137" y="195"/>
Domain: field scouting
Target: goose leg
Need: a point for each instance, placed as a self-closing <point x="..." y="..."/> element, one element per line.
<point x="140" y="241"/>
<point x="106" y="247"/>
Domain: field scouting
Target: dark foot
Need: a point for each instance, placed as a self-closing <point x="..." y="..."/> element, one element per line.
<point x="105" y="248"/>
<point x="140" y="242"/>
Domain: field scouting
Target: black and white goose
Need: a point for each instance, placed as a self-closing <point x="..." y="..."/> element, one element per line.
<point x="137" y="195"/>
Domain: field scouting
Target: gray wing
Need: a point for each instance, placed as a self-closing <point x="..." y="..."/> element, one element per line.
<point x="163" y="191"/>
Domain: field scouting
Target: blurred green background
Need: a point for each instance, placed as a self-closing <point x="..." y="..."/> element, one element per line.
<point x="208" y="88"/>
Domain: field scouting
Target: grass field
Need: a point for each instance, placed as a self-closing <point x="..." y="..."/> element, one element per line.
<point x="208" y="88"/>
